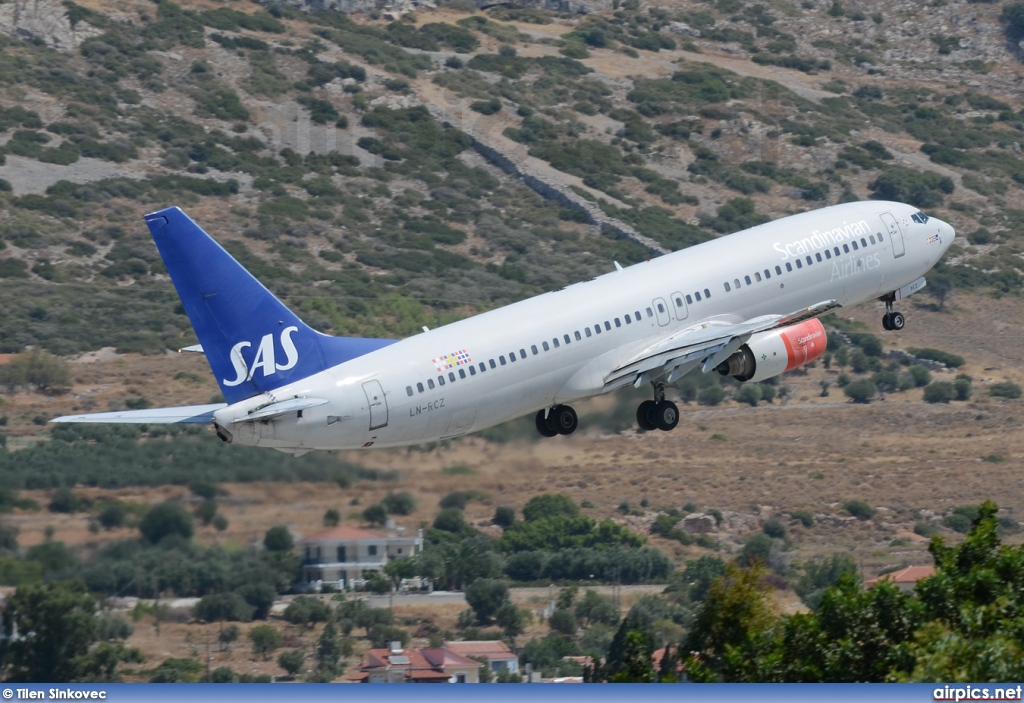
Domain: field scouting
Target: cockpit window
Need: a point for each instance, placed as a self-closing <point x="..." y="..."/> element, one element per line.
<point x="920" y="217"/>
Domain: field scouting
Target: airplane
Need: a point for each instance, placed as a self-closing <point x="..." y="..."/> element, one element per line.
<point x="744" y="305"/>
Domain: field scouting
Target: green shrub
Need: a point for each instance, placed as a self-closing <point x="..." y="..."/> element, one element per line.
<point x="939" y="392"/>
<point x="861" y="391"/>
<point x="1005" y="389"/>
<point x="951" y="360"/>
<point x="859" y="509"/>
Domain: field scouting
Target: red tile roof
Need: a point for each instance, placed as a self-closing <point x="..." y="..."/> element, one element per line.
<point x="344" y="532"/>
<point x="418" y="664"/>
<point x="911" y="574"/>
<point x="490" y="649"/>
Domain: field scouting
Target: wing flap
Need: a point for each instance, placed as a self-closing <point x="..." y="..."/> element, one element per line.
<point x="186" y="414"/>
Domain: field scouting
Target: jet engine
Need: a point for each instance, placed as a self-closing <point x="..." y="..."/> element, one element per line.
<point x="771" y="353"/>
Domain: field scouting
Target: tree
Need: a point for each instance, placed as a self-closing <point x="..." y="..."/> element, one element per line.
<point x="112" y="515"/>
<point x="166" y="519"/>
<point x="862" y="391"/>
<point x="549" y="505"/>
<point x="485" y="597"/>
<point x="399" y="503"/>
<point x="220" y="607"/>
<point x="595" y="608"/>
<point x="511" y="620"/>
<point x="228" y="635"/>
<point x="328" y="653"/>
<point x="55" y="625"/>
<point x="206" y="511"/>
<point x="37" y="368"/>
<point x="265" y="639"/>
<point x="940" y="392"/>
<point x="306" y="610"/>
<point x="260" y="595"/>
<point x="291" y="661"/>
<point x="331" y="518"/>
<point x="376" y="514"/>
<point x="504" y="515"/>
<point x="749" y="393"/>
<point x="563" y="622"/>
<point x="821" y="575"/>
<point x="278" y="539"/>
<point x="636" y="665"/>
<point x="397" y="570"/>
<point x="64" y="500"/>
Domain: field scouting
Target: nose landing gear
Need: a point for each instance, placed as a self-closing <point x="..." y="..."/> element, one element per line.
<point x="892" y="321"/>
<point x="657" y="414"/>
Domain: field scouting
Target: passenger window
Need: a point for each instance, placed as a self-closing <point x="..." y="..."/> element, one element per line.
<point x="451" y="376"/>
<point x="697" y="296"/>
<point x="809" y="261"/>
<point x="854" y="243"/>
<point x="789" y="266"/>
<point x="736" y="282"/>
<point x="880" y="237"/>
<point x="746" y="279"/>
<point x="767" y="274"/>
<point x="818" y="257"/>
<point x="430" y="383"/>
<point x="650" y="313"/>
<point x="566" y="338"/>
<point x="636" y="315"/>
<point x="846" y="248"/>
<point x="597" y="328"/>
<point x="408" y="390"/>
<point x="577" y="335"/>
<point x="555" y="342"/>
<point x="462" y="373"/>
<point x="689" y="299"/>
<point x="419" y="387"/>
<point x="618" y="323"/>
<point x="828" y="254"/>
<point x="588" y="332"/>
<point x="608" y="325"/>
<point x="836" y="251"/>
<point x="511" y="356"/>
<point x="727" y="287"/>
<point x="679" y="303"/>
<point x="778" y="270"/>
<point x="545" y="345"/>
<point x="757" y="276"/>
<point x="799" y="264"/>
<point x="522" y="353"/>
<point x="440" y="380"/>
<point x="482" y="367"/>
<point x="501" y="359"/>
<point x="707" y="293"/>
<point x="872" y="238"/>
<point x="863" y="242"/>
<point x="661" y="308"/>
<point x="491" y="362"/>
<point x="533" y="348"/>
<point x="472" y="371"/>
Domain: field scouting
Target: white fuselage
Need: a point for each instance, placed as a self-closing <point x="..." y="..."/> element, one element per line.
<point x="505" y="363"/>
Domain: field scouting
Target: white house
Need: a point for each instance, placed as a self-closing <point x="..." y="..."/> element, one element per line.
<point x="345" y="555"/>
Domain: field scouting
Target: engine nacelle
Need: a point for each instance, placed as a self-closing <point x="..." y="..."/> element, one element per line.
<point x="777" y="351"/>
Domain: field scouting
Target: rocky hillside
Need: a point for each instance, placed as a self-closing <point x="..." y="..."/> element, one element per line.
<point x="411" y="164"/>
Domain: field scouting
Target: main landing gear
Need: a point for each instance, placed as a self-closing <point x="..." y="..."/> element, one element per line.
<point x="657" y="414"/>
<point x="560" y="419"/>
<point x="892" y="321"/>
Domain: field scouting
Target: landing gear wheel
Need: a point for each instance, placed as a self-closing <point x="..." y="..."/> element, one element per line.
<point x="887" y="322"/>
<point x="645" y="415"/>
<point x="564" y="419"/>
<point x="896" y="321"/>
<point x="666" y="415"/>
<point x="544" y="426"/>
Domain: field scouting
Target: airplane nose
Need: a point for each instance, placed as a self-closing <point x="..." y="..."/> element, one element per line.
<point x="948" y="234"/>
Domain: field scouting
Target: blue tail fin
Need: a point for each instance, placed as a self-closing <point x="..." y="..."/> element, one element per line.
<point x="253" y="342"/>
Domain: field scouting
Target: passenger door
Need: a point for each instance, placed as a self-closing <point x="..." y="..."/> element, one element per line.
<point x="895" y="235"/>
<point x="377" y="403"/>
<point x="661" y="310"/>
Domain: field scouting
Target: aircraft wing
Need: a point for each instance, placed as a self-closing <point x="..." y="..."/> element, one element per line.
<point x="708" y="344"/>
<point x="186" y="414"/>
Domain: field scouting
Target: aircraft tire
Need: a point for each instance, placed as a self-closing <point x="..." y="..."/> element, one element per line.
<point x="897" y="321"/>
<point x="887" y="322"/>
<point x="666" y="415"/>
<point x="645" y="415"/>
<point x="544" y="426"/>
<point x="564" y="419"/>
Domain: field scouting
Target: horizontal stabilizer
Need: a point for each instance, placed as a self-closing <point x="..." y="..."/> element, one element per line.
<point x="195" y="349"/>
<point x="284" y="407"/>
<point x="186" y="414"/>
